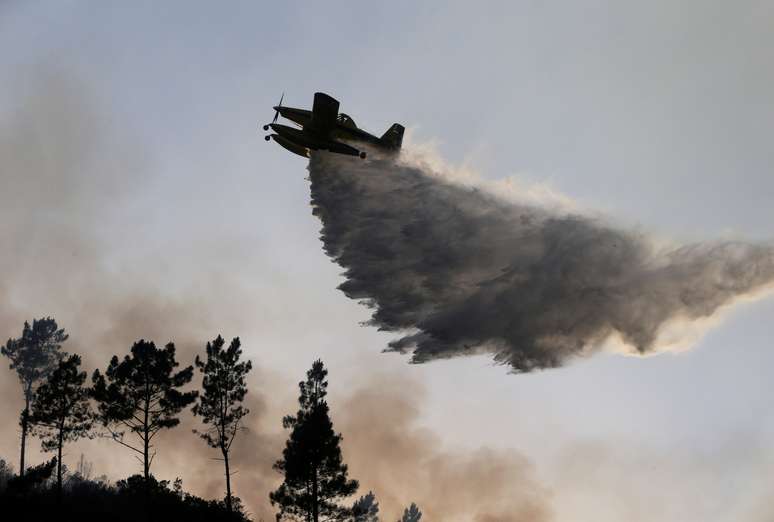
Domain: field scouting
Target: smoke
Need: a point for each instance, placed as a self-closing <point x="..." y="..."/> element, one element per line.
<point x="387" y="451"/>
<point x="639" y="480"/>
<point x="71" y="185"/>
<point x="460" y="271"/>
<point x="401" y="462"/>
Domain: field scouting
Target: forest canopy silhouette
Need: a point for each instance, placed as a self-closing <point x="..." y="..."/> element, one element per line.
<point x="136" y="397"/>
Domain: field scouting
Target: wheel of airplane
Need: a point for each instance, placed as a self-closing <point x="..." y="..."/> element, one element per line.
<point x="265" y="127"/>
<point x="362" y="155"/>
<point x="267" y="138"/>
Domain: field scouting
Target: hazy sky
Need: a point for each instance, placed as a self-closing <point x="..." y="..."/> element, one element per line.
<point x="658" y="115"/>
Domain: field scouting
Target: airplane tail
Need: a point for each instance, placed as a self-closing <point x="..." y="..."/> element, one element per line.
<point x="393" y="138"/>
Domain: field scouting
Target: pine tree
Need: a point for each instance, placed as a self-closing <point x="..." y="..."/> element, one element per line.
<point x="220" y="403"/>
<point x="61" y="411"/>
<point x="411" y="514"/>
<point x="366" y="509"/>
<point x="34" y="355"/>
<point x="140" y="394"/>
<point x="315" y="476"/>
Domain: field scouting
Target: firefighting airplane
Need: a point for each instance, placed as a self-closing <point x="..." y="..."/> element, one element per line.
<point x="323" y="127"/>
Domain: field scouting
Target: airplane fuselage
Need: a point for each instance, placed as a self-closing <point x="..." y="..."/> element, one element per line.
<point x="303" y="117"/>
<point x="324" y="127"/>
<point x="310" y="139"/>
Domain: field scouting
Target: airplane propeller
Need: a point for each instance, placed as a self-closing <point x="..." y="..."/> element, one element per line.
<point x="276" y="112"/>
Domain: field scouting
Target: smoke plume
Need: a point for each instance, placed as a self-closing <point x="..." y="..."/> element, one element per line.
<point x="460" y="271"/>
<point x="466" y="271"/>
<point x="71" y="183"/>
<point x="401" y="462"/>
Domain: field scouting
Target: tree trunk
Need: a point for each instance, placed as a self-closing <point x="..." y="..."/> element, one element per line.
<point x="146" y="442"/>
<point x="228" y="480"/>
<point x="315" y="507"/>
<point x="146" y="474"/>
<point x="23" y="441"/>
<point x="24" y="422"/>
<point x="146" y="461"/>
<point x="59" y="467"/>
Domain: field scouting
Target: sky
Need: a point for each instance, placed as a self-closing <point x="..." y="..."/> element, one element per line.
<point x="139" y="199"/>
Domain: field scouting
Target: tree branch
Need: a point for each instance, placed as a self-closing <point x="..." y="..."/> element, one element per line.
<point x="119" y="439"/>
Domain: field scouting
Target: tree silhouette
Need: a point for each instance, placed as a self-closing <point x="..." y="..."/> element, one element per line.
<point x="311" y="461"/>
<point x="411" y="514"/>
<point x="34" y="355"/>
<point x="6" y="473"/>
<point x="366" y="509"/>
<point x="61" y="411"/>
<point x="140" y="394"/>
<point x="220" y="403"/>
<point x="30" y="498"/>
<point x="35" y="478"/>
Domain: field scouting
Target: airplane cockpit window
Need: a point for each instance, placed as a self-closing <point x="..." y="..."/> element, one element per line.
<point x="346" y="121"/>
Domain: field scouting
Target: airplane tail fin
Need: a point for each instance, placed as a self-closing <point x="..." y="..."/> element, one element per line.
<point x="393" y="138"/>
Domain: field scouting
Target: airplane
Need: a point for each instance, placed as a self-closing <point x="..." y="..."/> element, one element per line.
<point x="324" y="127"/>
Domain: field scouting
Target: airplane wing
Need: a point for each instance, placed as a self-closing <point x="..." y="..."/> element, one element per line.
<point x="324" y="112"/>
